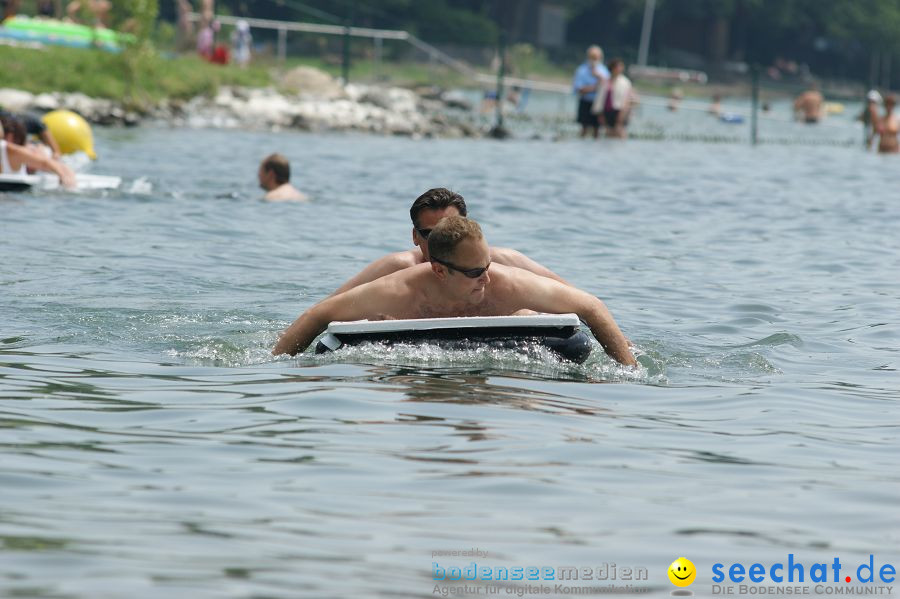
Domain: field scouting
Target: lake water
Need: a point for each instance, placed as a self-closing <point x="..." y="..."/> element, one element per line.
<point x="151" y="447"/>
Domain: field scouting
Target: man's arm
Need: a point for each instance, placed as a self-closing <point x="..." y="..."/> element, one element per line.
<point x="47" y="137"/>
<point x="365" y="301"/>
<point x="302" y="331"/>
<point x="38" y="161"/>
<point x="511" y="257"/>
<point x="545" y="295"/>
<point x="381" y="267"/>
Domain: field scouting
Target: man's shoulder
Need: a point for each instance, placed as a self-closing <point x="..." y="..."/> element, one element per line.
<point x="286" y="192"/>
<point x="501" y="254"/>
<point x="402" y="280"/>
<point x="404" y="259"/>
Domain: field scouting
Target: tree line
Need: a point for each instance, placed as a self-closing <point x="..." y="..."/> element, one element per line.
<point x="852" y="39"/>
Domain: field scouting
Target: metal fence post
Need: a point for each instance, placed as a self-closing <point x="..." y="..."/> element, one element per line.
<point x="282" y="44"/>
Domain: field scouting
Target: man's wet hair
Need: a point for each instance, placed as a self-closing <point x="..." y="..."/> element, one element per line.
<point x="11" y="125"/>
<point x="279" y="165"/>
<point x="448" y="234"/>
<point x="436" y="199"/>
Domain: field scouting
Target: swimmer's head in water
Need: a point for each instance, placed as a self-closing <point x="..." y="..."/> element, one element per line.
<point x="460" y="257"/>
<point x="274" y="171"/>
<point x="428" y="209"/>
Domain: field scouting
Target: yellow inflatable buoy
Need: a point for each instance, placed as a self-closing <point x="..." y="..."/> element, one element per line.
<point x="71" y="132"/>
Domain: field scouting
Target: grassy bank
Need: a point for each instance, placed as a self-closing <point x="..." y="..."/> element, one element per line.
<point x="104" y="75"/>
<point x="153" y="77"/>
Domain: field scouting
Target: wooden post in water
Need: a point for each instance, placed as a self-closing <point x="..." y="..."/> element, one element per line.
<point x="754" y="105"/>
<point x="499" y="131"/>
<point x="282" y="44"/>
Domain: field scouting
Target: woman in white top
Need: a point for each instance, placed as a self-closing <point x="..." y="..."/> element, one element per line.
<point x="16" y="158"/>
<point x="613" y="101"/>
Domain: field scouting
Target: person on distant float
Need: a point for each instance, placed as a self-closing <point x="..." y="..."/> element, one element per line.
<point x="810" y="105"/>
<point x="456" y="282"/>
<point x="427" y="211"/>
<point x="16" y="158"/>
<point x="888" y="128"/>
<point x="275" y="176"/>
<point x="613" y="100"/>
<point x="588" y="78"/>
<point x="35" y="126"/>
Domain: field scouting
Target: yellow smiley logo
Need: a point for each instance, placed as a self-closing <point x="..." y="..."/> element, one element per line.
<point x="682" y="572"/>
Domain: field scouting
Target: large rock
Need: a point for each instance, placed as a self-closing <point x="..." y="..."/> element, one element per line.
<point x="311" y="83"/>
<point x="15" y="100"/>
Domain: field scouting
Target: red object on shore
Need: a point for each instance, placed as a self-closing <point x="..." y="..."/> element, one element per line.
<point x="220" y="55"/>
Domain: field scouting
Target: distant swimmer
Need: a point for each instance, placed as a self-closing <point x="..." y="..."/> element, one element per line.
<point x="275" y="176"/>
<point x="36" y="127"/>
<point x="809" y="106"/>
<point x="426" y="211"/>
<point x="16" y="158"/>
<point x="888" y="127"/>
<point x="460" y="279"/>
<point x="870" y="117"/>
<point x="715" y="107"/>
<point x="675" y="98"/>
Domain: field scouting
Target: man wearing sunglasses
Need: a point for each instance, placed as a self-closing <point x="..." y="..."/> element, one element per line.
<point x="426" y="211"/>
<point x="460" y="279"/>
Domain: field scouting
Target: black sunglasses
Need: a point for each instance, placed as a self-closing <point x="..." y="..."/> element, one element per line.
<point x="472" y="273"/>
<point x="423" y="233"/>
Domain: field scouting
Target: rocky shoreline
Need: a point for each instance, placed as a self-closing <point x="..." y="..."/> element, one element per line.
<point x="306" y="99"/>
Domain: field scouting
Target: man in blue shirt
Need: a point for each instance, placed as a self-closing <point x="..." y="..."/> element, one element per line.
<point x="587" y="80"/>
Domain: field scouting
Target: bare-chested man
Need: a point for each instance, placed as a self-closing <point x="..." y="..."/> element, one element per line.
<point x="809" y="105"/>
<point x="426" y="211"/>
<point x="459" y="280"/>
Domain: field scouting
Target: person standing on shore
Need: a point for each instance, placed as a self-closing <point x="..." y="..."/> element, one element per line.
<point x="240" y="43"/>
<point x="613" y="101"/>
<point x="588" y="78"/>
